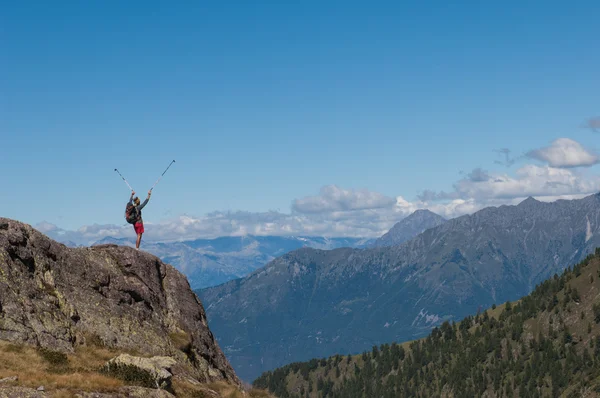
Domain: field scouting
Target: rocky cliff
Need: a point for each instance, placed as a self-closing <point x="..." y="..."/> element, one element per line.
<point x="56" y="297"/>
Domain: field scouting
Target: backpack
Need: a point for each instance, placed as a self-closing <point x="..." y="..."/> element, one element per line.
<point x="130" y="214"/>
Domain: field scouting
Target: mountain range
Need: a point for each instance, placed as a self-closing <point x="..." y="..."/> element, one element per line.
<point x="409" y="227"/>
<point x="546" y="344"/>
<point x="209" y="262"/>
<point x="312" y="303"/>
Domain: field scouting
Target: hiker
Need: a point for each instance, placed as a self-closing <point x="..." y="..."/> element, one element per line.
<point x="138" y="223"/>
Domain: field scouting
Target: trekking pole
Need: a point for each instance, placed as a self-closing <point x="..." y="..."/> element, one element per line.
<point x="162" y="175"/>
<point x="124" y="179"/>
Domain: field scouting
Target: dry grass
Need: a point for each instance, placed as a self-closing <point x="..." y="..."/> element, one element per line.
<point x="228" y="391"/>
<point x="221" y="389"/>
<point x="225" y="390"/>
<point x="181" y="340"/>
<point x="72" y="372"/>
<point x="254" y="393"/>
<point x="187" y="390"/>
<point x="90" y="357"/>
<point x="63" y="376"/>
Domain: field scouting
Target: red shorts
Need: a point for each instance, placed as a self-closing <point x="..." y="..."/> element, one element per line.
<point x="139" y="228"/>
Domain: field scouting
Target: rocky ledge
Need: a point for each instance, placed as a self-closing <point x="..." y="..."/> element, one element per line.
<point x="56" y="297"/>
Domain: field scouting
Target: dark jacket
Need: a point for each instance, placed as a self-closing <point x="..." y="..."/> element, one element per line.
<point x="138" y="209"/>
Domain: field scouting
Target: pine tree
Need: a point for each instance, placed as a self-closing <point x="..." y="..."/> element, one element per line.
<point x="375" y="352"/>
<point x="508" y="391"/>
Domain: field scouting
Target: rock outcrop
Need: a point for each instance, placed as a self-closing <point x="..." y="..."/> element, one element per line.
<point x="155" y="371"/>
<point x="57" y="297"/>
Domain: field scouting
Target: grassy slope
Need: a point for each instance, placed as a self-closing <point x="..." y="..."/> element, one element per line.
<point x="571" y="327"/>
<point x="65" y="376"/>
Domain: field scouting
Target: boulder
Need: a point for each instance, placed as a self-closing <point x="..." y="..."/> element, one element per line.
<point x="151" y="372"/>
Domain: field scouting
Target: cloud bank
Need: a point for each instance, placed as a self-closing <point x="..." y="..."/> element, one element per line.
<point x="565" y="152"/>
<point x="337" y="211"/>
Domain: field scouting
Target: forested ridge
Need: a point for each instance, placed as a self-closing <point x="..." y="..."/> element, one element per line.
<point x="546" y="344"/>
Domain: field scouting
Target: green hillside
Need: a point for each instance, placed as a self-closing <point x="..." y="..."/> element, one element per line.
<point x="545" y="345"/>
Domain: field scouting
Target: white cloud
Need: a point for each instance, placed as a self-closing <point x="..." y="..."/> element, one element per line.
<point x="334" y="198"/>
<point x="565" y="152"/>
<point x="46" y="227"/>
<point x="543" y="183"/>
<point x="337" y="211"/>
<point x="530" y="180"/>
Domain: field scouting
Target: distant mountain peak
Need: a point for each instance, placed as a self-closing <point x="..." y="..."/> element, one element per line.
<point x="409" y="227"/>
<point x="423" y="211"/>
<point x="529" y="201"/>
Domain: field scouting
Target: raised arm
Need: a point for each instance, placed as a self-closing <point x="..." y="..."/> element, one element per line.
<point x="131" y="197"/>
<point x="145" y="201"/>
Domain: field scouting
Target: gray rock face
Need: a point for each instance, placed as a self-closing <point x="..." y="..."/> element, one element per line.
<point x="315" y="303"/>
<point x="57" y="297"/>
<point x="409" y="227"/>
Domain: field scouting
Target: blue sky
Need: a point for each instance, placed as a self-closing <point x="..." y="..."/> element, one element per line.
<point x="263" y="104"/>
